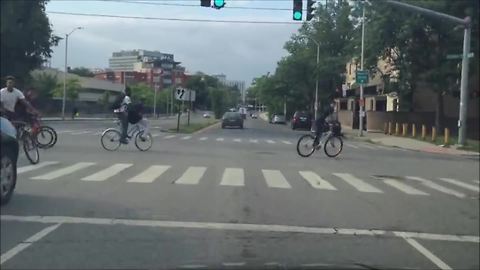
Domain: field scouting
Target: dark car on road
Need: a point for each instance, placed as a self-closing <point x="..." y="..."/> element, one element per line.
<point x="9" y="156"/>
<point x="232" y="119"/>
<point x="301" y="119"/>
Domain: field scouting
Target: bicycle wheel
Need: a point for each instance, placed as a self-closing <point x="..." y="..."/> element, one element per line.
<point x="305" y="146"/>
<point x="143" y="143"/>
<point x="110" y="139"/>
<point x="46" y="137"/>
<point x="333" y="146"/>
<point x="30" y="148"/>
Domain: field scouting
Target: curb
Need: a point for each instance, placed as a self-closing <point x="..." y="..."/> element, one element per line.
<point x="207" y="128"/>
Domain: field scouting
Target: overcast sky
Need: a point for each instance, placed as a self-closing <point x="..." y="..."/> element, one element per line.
<point x="240" y="51"/>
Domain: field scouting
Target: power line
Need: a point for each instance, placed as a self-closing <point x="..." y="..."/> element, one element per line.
<point x="191" y="5"/>
<point x="169" y="19"/>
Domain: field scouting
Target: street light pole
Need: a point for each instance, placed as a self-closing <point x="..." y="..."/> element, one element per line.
<point x="65" y="72"/>
<point x="316" y="81"/>
<point x="362" y="103"/>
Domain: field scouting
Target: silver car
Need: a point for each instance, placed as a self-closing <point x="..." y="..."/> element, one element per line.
<point x="278" y="119"/>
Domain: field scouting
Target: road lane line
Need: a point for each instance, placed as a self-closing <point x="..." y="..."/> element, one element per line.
<point x="233" y="264"/>
<point x="25" y="244"/>
<point x="80" y="132"/>
<point x="425" y="252"/>
<point x="436" y="186"/>
<point x="150" y="174"/>
<point x="28" y="168"/>
<point x="65" y="131"/>
<point x="270" y="141"/>
<point x="359" y="184"/>
<point x="191" y="176"/>
<point x="237" y="140"/>
<point x="316" y="181"/>
<point x="460" y="184"/>
<point x="203" y="139"/>
<point x="239" y="227"/>
<point x="108" y="172"/>
<point x="403" y="187"/>
<point x="219" y="139"/>
<point x="253" y="141"/>
<point x="286" y="142"/>
<point x="156" y="135"/>
<point x="186" y="138"/>
<point x="64" y="171"/>
<point x="169" y="137"/>
<point x="351" y="145"/>
<point x="233" y="177"/>
<point x="275" y="179"/>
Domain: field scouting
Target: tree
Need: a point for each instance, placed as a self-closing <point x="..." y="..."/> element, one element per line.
<point x="72" y="88"/>
<point x="82" y="71"/>
<point x="43" y="83"/>
<point x="26" y="37"/>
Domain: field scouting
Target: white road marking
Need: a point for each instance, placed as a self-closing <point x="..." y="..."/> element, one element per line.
<point x="169" y="137"/>
<point x="80" y="132"/>
<point x="253" y="141"/>
<point x="238" y="227"/>
<point x="191" y="176"/>
<point x="403" y="187"/>
<point x="233" y="177"/>
<point x="476" y="181"/>
<point x="203" y="139"/>
<point x="25" y="244"/>
<point x="275" y="179"/>
<point x="186" y="138"/>
<point x="156" y="135"/>
<point x="219" y="140"/>
<point x="270" y="141"/>
<point x="237" y="140"/>
<point x="351" y="145"/>
<point x="64" y="171"/>
<point x="436" y="186"/>
<point x="150" y="174"/>
<point x="359" y="184"/>
<point x="108" y="172"/>
<point x="64" y="131"/>
<point x="98" y="133"/>
<point x="425" y="252"/>
<point x="316" y="181"/>
<point x="460" y="184"/>
<point x="286" y="142"/>
<point x="233" y="263"/>
<point x="28" y="168"/>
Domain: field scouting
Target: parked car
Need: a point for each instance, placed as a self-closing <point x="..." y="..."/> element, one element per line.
<point x="278" y="119"/>
<point x="254" y="116"/>
<point x="206" y="115"/>
<point x="9" y="157"/>
<point x="232" y="119"/>
<point x="301" y="119"/>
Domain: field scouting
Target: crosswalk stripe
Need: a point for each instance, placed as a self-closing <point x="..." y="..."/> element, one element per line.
<point x="253" y="141"/>
<point x="286" y="142"/>
<point x="270" y="141"/>
<point x="316" y="181"/>
<point x="351" y="145"/>
<point x="219" y="139"/>
<point x="203" y="139"/>
<point x="403" y="187"/>
<point x="275" y="179"/>
<point x="460" y="184"/>
<point x="359" y="184"/>
<point x="64" y="171"/>
<point x="237" y="140"/>
<point x="186" y="138"/>
<point x="191" y="176"/>
<point x="108" y="172"/>
<point x="436" y="186"/>
<point x="150" y="174"/>
<point x="169" y="137"/>
<point x="28" y="168"/>
<point x="233" y="177"/>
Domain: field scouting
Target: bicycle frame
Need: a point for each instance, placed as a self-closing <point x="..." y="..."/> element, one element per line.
<point x="132" y="130"/>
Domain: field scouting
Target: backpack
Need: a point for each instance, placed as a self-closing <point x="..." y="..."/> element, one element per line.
<point x="118" y="102"/>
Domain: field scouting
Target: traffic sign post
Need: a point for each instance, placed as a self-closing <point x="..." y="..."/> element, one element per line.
<point x="361" y="77"/>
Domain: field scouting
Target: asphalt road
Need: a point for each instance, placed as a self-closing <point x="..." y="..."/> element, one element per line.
<point x="239" y="199"/>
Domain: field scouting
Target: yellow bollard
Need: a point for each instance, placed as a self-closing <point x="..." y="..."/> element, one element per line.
<point x="434" y="134"/>
<point x="389" y="128"/>
<point x="446" y="136"/>
<point x="414" y="131"/>
<point x="424" y="132"/>
<point x="397" y="129"/>
<point x="404" y="130"/>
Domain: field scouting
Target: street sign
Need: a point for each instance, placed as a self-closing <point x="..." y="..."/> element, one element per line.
<point x="458" y="56"/>
<point x="361" y="77"/>
<point x="185" y="94"/>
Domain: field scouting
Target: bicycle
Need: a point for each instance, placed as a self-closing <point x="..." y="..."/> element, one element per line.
<point x="310" y="143"/>
<point x="110" y="139"/>
<point x="29" y="143"/>
<point x="45" y="136"/>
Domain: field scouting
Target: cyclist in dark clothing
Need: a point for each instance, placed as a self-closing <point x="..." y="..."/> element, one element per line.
<point x="321" y="124"/>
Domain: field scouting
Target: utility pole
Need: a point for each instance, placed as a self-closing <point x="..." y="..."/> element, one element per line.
<point x="66" y="71"/>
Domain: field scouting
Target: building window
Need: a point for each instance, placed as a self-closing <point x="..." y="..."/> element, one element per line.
<point x="343" y="105"/>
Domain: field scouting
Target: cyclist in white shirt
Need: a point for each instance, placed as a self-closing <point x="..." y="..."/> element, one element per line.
<point x="9" y="96"/>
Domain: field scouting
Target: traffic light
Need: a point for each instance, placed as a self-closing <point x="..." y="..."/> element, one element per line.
<point x="297" y="10"/>
<point x="206" y="3"/>
<point x="218" y="4"/>
<point x="310" y="9"/>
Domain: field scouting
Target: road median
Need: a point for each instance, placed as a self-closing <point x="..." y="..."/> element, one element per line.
<point x="195" y="128"/>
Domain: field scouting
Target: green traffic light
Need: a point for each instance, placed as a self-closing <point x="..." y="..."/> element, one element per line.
<point x="297" y="15"/>
<point x="218" y="3"/>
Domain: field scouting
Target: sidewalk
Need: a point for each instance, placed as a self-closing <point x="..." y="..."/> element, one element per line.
<point x="406" y="143"/>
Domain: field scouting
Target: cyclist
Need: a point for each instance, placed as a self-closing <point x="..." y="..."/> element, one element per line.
<point x="135" y="116"/>
<point x="122" y="113"/>
<point x="10" y="97"/>
<point x="321" y="124"/>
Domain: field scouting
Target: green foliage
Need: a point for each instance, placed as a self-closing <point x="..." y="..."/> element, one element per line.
<point x="82" y="71"/>
<point x="72" y="88"/>
<point x="44" y="83"/>
<point x="26" y="37"/>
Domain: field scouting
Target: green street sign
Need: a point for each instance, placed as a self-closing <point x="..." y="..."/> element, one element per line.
<point x="361" y="77"/>
<point x="458" y="56"/>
